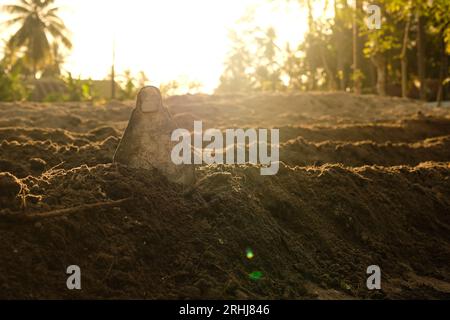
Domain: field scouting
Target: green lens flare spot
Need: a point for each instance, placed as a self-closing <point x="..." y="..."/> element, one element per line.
<point x="256" y="275"/>
<point x="249" y="253"/>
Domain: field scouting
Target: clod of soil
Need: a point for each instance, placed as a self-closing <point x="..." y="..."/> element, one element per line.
<point x="10" y="186"/>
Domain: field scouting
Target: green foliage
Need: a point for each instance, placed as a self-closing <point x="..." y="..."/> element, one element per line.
<point x="142" y="79"/>
<point x="11" y="85"/>
<point x="267" y="71"/>
<point x="76" y="90"/>
<point x="129" y="89"/>
<point x="440" y="15"/>
<point x="169" y="88"/>
<point x="257" y="63"/>
<point x="181" y="86"/>
<point x="236" y="76"/>
<point x="294" y="68"/>
<point x="253" y="63"/>
<point x="381" y="41"/>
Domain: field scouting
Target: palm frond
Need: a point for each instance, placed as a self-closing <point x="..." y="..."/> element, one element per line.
<point x="13" y="21"/>
<point x="54" y="17"/>
<point x="26" y="3"/>
<point x="48" y="2"/>
<point x="58" y="34"/>
<point x="39" y="24"/>
<point x="52" y="12"/>
<point x="42" y="4"/>
<point x="15" y="9"/>
<point x="57" y="23"/>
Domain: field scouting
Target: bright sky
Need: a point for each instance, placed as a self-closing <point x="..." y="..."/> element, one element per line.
<point x="167" y="39"/>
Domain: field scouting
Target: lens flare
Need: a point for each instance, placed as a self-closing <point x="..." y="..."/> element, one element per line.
<point x="256" y="275"/>
<point x="249" y="253"/>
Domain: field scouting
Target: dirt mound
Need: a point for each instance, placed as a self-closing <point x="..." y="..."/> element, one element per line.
<point x="35" y="157"/>
<point x="304" y="153"/>
<point x="405" y="130"/>
<point x="75" y="117"/>
<point x="313" y="227"/>
<point x="310" y="231"/>
<point x="278" y="110"/>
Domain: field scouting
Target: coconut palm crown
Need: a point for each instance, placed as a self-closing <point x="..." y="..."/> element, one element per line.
<point x="39" y="28"/>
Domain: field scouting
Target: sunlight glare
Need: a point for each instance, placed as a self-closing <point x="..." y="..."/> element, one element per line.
<point x="170" y="39"/>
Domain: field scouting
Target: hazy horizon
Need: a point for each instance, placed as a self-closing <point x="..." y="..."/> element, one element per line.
<point x="168" y="40"/>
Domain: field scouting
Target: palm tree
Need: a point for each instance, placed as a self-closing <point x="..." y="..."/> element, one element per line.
<point x="39" y="23"/>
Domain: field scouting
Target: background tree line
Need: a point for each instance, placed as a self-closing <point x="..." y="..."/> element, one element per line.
<point x="37" y="49"/>
<point x="408" y="56"/>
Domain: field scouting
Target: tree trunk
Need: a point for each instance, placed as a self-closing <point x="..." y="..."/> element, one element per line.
<point x="311" y="67"/>
<point x="442" y="72"/>
<point x="34" y="70"/>
<point x="113" y="73"/>
<point x="404" y="59"/>
<point x="380" y="63"/>
<point x="113" y="83"/>
<point x="332" y="85"/>
<point x="341" y="71"/>
<point x="421" y="67"/>
<point x="357" y="83"/>
<point x="341" y="47"/>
